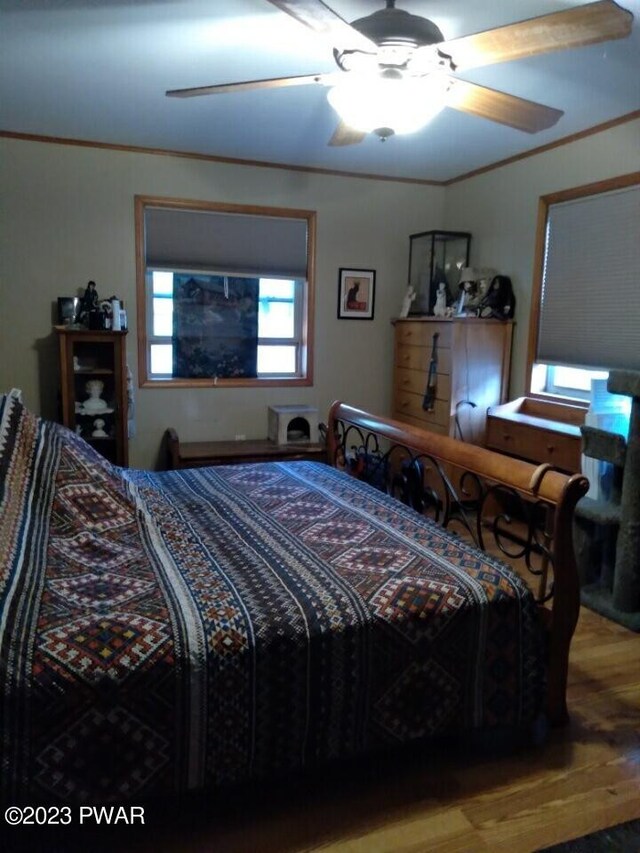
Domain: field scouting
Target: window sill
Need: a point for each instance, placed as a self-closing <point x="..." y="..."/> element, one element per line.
<point x="275" y="382"/>
<point x="558" y="400"/>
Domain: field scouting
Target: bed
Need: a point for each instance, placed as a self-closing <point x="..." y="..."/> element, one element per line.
<point x="173" y="631"/>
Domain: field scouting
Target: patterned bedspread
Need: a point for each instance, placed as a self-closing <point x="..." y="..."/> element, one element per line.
<point x="162" y="632"/>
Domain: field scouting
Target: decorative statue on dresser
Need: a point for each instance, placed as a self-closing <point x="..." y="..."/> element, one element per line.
<point x="499" y="301"/>
<point x="410" y="295"/>
<point x="440" y="307"/>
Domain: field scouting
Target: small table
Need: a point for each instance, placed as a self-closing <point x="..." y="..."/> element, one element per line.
<point x="197" y="454"/>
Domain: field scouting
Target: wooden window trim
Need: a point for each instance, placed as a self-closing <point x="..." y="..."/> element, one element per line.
<point x="544" y="203"/>
<point x="141" y="202"/>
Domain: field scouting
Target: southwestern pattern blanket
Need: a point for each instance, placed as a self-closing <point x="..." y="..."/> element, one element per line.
<point x="162" y="632"/>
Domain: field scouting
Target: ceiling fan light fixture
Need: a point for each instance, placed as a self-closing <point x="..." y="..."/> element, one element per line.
<point x="402" y="104"/>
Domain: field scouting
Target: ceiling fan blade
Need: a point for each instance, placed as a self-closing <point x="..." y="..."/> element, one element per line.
<point x="345" y="135"/>
<point x="499" y="107"/>
<point x="324" y="21"/>
<point x="271" y="83"/>
<point x="576" y="27"/>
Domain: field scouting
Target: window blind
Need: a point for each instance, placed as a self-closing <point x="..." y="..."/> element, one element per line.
<point x="590" y="301"/>
<point x="227" y="242"/>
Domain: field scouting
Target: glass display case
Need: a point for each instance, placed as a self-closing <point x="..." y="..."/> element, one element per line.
<point x="436" y="257"/>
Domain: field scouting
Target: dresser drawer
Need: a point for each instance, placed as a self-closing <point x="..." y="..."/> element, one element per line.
<point x="505" y="437"/>
<point x="472" y="365"/>
<point x="563" y="451"/>
<point x="419" y="358"/>
<point x="411" y="404"/>
<point x="415" y="381"/>
<point x="536" y="445"/>
<point x="421" y="334"/>
<point x="430" y="427"/>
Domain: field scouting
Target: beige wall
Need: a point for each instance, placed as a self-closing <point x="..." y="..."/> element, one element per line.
<point x="500" y="209"/>
<point x="67" y="217"/>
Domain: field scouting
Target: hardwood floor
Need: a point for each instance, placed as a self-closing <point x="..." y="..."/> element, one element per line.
<point x="586" y="777"/>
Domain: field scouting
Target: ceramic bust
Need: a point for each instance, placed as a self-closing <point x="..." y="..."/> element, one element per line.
<point x="98" y="429"/>
<point x="94" y="403"/>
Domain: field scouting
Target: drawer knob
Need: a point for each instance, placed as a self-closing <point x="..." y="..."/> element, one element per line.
<point x="506" y="436"/>
<point x="550" y="448"/>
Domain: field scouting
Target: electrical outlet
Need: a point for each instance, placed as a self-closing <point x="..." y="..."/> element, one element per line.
<point x="240" y="437"/>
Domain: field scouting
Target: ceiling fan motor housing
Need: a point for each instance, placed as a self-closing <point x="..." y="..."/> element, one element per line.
<point x="395" y="27"/>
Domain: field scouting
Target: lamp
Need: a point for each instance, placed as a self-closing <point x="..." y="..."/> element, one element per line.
<point x="388" y="103"/>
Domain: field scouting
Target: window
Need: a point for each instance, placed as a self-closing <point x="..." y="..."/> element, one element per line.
<point x="225" y="294"/>
<point x="561" y="381"/>
<point x="278" y="352"/>
<point x="585" y="301"/>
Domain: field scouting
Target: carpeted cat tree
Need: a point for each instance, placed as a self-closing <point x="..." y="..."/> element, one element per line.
<point x="607" y="533"/>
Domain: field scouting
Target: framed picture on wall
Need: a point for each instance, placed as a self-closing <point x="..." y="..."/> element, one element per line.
<point x="356" y="294"/>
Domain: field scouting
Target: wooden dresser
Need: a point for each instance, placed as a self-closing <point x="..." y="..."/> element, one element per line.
<point x="473" y="361"/>
<point x="538" y="431"/>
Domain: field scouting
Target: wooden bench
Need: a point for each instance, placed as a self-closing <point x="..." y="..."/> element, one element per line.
<point x="198" y="454"/>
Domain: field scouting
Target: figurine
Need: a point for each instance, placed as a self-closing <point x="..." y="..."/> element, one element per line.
<point x="90" y="301"/>
<point x="98" y="429"/>
<point x="483" y="288"/>
<point x="499" y="301"/>
<point x="406" y="302"/>
<point x="90" y="314"/>
<point x="440" y="308"/>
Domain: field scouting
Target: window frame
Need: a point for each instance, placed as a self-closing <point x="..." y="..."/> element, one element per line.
<point x="145" y="305"/>
<point x="294" y="341"/>
<point x="544" y="203"/>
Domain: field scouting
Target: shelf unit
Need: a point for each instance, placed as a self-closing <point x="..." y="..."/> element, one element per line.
<point x="100" y="355"/>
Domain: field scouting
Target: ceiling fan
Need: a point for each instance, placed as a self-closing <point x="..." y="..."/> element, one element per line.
<point x="395" y="69"/>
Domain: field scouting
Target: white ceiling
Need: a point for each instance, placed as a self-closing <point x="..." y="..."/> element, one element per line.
<point x="98" y="70"/>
